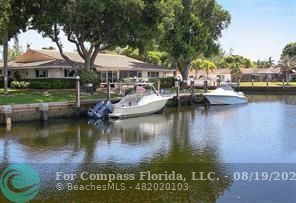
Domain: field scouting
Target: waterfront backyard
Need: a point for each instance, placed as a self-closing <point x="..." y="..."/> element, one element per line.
<point x="39" y="96"/>
<point x="29" y="96"/>
<point x="258" y="137"/>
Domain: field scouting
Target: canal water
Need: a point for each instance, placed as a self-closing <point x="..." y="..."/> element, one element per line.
<point x="249" y="149"/>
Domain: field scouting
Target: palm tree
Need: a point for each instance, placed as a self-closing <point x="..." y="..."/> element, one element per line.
<point x="235" y="70"/>
<point x="197" y="65"/>
<point x="270" y="62"/>
<point x="208" y="66"/>
<point x="286" y="63"/>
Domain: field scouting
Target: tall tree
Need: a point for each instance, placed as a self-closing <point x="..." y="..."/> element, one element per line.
<point x="96" y="25"/>
<point x="4" y="17"/>
<point x="286" y="64"/>
<point x="235" y="70"/>
<point x="290" y="50"/>
<point x="265" y="63"/>
<point x="270" y="62"/>
<point x="236" y="59"/>
<point x="192" y="28"/>
<point x="208" y="66"/>
<point x="4" y="21"/>
<point x="205" y="65"/>
<point x="197" y="65"/>
<point x="14" y="18"/>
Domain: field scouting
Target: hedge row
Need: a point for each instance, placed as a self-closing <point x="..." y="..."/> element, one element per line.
<point x="164" y="82"/>
<point x="52" y="83"/>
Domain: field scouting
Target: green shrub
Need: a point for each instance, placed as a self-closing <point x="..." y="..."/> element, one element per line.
<point x="88" y="77"/>
<point x="52" y="83"/>
<point x="20" y="85"/>
<point x="164" y="82"/>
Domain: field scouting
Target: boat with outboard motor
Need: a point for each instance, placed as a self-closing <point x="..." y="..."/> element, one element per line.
<point x="140" y="102"/>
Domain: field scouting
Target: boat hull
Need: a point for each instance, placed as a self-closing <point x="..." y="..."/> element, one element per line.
<point x="139" y="110"/>
<point x="226" y="100"/>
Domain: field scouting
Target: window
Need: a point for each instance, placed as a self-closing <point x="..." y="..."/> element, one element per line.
<point x="129" y="74"/>
<point x="69" y="73"/>
<point x="103" y="76"/>
<point x="41" y="73"/>
<point x="132" y="74"/>
<point x="123" y="74"/>
<point x="107" y="76"/>
<point x="139" y="74"/>
<point x="114" y="76"/>
<point x="153" y="74"/>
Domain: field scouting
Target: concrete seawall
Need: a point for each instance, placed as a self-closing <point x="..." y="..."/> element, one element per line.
<point x="44" y="111"/>
<point x="30" y="112"/>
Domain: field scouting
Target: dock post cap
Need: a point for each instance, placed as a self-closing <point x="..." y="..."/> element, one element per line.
<point x="43" y="107"/>
<point x="6" y="109"/>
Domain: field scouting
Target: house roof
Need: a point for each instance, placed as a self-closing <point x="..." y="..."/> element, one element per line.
<point x="219" y="71"/>
<point x="52" y="58"/>
<point x="261" y="71"/>
<point x="251" y="71"/>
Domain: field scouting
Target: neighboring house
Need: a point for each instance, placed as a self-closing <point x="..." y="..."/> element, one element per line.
<point x="261" y="74"/>
<point x="247" y="74"/>
<point x="49" y="64"/>
<point x="222" y="73"/>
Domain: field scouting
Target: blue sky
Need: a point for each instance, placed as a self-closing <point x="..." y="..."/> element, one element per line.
<point x="259" y="29"/>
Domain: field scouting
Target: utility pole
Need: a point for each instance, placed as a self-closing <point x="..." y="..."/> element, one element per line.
<point x="5" y="60"/>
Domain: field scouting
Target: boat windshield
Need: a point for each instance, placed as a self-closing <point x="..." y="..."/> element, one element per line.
<point x="227" y="88"/>
<point x="134" y="97"/>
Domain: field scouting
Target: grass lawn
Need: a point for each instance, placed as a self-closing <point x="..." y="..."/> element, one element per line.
<point x="263" y="84"/>
<point x="34" y="96"/>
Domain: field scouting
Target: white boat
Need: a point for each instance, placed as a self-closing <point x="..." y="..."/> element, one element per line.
<point x="225" y="95"/>
<point x="138" y="103"/>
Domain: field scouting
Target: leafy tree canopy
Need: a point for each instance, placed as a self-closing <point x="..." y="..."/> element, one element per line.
<point x="240" y="61"/>
<point x="15" y="16"/>
<point x="264" y="63"/>
<point x="4" y="17"/>
<point x="97" y="25"/>
<point x="191" y="28"/>
<point x="290" y="50"/>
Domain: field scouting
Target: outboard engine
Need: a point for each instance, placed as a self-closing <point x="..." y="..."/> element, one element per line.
<point x="101" y="110"/>
<point x="91" y="112"/>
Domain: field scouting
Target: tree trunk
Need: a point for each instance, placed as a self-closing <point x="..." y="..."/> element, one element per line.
<point x="185" y="72"/>
<point x="5" y="60"/>
<point x="87" y="63"/>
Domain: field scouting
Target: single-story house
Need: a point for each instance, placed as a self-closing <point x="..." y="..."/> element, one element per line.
<point x="49" y="64"/>
<point x="222" y="73"/>
<point x="261" y="74"/>
<point x="247" y="74"/>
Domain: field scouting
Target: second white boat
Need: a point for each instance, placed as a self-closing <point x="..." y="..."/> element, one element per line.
<point x="225" y="95"/>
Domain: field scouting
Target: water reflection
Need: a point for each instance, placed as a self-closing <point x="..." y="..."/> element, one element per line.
<point x="278" y="98"/>
<point x="191" y="138"/>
